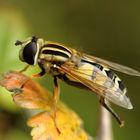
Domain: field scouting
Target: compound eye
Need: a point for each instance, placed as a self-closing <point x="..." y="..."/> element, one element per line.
<point x="29" y="53"/>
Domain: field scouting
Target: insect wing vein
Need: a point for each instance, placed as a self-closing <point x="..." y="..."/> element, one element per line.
<point x="75" y="75"/>
<point x="113" y="65"/>
<point x="113" y="95"/>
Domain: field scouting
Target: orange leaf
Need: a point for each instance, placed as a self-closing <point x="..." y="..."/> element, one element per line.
<point x="30" y="95"/>
<point x="27" y="93"/>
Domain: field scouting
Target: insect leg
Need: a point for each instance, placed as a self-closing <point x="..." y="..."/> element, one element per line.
<point x="43" y="71"/>
<point x="21" y="71"/>
<point x="115" y="115"/>
<point x="56" y="90"/>
<point x="39" y="74"/>
<point x="55" y="100"/>
<point x="25" y="68"/>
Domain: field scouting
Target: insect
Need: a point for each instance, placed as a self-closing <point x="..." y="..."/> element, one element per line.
<point x="78" y="69"/>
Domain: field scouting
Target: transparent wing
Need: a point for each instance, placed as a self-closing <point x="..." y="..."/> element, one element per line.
<point x="113" y="65"/>
<point x="114" y="95"/>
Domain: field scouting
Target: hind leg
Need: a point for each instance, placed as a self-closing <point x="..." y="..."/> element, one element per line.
<point x="115" y="115"/>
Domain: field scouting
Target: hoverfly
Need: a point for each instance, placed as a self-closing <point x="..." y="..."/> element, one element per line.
<point x="78" y="69"/>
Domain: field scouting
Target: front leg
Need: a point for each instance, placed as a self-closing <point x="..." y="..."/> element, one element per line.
<point x="43" y="71"/>
<point x="39" y="74"/>
<point x="24" y="69"/>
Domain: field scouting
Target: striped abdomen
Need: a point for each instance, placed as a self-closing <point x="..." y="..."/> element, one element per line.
<point x="98" y="74"/>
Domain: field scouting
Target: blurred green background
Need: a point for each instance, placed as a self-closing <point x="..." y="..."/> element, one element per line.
<point x="107" y="29"/>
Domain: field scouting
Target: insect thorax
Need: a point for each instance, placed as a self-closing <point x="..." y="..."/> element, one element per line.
<point x="52" y="55"/>
<point x="55" y="53"/>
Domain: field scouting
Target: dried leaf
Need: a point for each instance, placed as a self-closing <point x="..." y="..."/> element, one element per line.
<point x="31" y="95"/>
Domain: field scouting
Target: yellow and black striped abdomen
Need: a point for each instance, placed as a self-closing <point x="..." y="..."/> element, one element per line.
<point x="98" y="74"/>
<point x="115" y="91"/>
